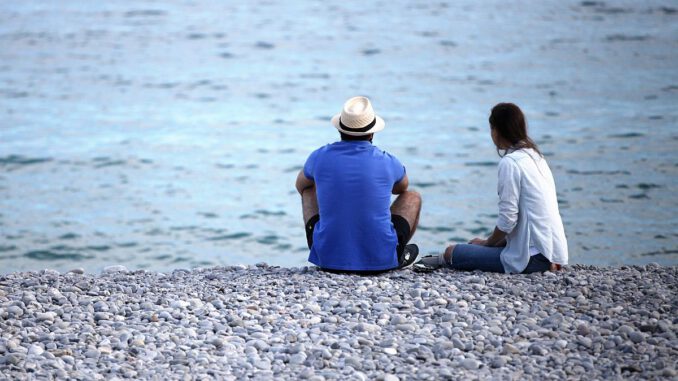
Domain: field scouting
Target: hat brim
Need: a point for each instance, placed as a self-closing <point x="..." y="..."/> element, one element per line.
<point x="378" y="126"/>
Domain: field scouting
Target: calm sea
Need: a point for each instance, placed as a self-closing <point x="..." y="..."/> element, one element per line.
<point x="164" y="135"/>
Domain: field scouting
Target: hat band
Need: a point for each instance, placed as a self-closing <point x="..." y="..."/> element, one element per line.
<point x="361" y="129"/>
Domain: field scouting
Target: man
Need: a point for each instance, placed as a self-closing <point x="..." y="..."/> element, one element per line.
<point x="346" y="187"/>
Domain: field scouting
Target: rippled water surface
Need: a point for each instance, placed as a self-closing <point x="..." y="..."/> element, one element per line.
<point x="162" y="135"/>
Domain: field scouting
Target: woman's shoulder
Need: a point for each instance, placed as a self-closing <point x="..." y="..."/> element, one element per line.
<point x="521" y="154"/>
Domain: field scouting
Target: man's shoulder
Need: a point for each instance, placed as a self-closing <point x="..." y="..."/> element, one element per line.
<point x="385" y="153"/>
<point x="320" y="149"/>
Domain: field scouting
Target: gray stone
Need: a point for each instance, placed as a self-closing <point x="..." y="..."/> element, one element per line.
<point x="114" y="269"/>
<point x="585" y="341"/>
<point x="14" y="311"/>
<point x="510" y="349"/>
<point x="471" y="364"/>
<point x="498" y="362"/>
<point x="92" y="353"/>
<point x="296" y="348"/>
<point x="538" y="350"/>
<point x="636" y="337"/>
<point x="298" y="358"/>
<point x="353" y="362"/>
<point x="458" y="344"/>
<point x="35" y="350"/>
<point x="307" y="373"/>
<point x="46" y="316"/>
<point x="12" y="359"/>
<point x="262" y="364"/>
<point x="406" y="327"/>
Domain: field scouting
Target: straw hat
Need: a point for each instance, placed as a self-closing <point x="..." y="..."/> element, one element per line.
<point x="358" y="118"/>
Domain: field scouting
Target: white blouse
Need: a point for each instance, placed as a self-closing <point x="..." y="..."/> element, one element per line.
<point x="528" y="211"/>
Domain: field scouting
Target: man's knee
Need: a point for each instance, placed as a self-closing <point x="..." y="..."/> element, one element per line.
<point x="413" y="197"/>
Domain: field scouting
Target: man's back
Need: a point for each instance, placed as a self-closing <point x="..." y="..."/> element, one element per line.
<point x="354" y="180"/>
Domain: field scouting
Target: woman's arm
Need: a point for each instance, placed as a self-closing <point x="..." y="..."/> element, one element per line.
<point x="508" y="189"/>
<point x="497" y="239"/>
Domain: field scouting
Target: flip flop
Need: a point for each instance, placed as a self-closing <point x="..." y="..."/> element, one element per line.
<point x="422" y="268"/>
<point x="410" y="255"/>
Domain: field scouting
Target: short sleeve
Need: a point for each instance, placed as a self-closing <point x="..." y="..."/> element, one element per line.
<point x="397" y="168"/>
<point x="309" y="166"/>
<point x="508" y="189"/>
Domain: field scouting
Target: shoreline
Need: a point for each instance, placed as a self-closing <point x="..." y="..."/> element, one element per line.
<point x="291" y="323"/>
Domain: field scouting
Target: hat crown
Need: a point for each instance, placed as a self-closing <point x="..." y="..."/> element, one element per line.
<point x="357" y="112"/>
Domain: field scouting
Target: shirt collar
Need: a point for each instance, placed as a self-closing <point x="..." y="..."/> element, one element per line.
<point x="359" y="142"/>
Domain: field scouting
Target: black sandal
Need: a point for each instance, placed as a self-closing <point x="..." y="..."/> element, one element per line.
<point x="409" y="256"/>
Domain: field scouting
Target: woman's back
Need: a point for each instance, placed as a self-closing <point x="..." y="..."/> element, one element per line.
<point x="537" y="223"/>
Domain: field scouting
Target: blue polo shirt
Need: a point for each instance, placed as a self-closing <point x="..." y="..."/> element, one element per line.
<point x="354" y="180"/>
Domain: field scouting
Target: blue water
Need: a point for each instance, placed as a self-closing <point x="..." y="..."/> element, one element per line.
<point x="166" y="135"/>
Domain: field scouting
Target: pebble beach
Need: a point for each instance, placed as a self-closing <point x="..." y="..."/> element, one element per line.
<point x="267" y="322"/>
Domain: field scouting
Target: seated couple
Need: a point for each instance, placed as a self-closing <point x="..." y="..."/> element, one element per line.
<point x="351" y="225"/>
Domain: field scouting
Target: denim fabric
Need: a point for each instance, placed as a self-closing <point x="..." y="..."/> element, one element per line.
<point x="538" y="263"/>
<point x="475" y="257"/>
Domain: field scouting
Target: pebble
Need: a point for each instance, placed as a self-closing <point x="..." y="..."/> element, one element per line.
<point x="11" y="359"/>
<point x="498" y="362"/>
<point x="406" y="327"/>
<point x="35" y="350"/>
<point x="298" y="358"/>
<point x="583" y="329"/>
<point x="179" y="304"/>
<point x="114" y="269"/>
<point x="92" y="354"/>
<point x="276" y="323"/>
<point x="458" y="344"/>
<point x="510" y="349"/>
<point x="636" y="337"/>
<point x="261" y="364"/>
<point x="14" y="311"/>
<point x="538" y="350"/>
<point x="307" y="374"/>
<point x="471" y="364"/>
<point x="45" y="316"/>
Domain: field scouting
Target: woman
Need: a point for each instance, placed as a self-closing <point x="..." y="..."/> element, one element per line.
<point x="529" y="234"/>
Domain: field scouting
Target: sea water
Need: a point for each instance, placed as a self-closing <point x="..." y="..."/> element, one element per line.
<point x="164" y="135"/>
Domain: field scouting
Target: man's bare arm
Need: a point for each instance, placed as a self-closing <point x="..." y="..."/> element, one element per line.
<point x="303" y="182"/>
<point x="401" y="186"/>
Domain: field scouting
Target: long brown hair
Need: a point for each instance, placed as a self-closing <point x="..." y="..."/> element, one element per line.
<point x="509" y="122"/>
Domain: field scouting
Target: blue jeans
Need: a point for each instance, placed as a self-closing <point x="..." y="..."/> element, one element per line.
<point x="475" y="257"/>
